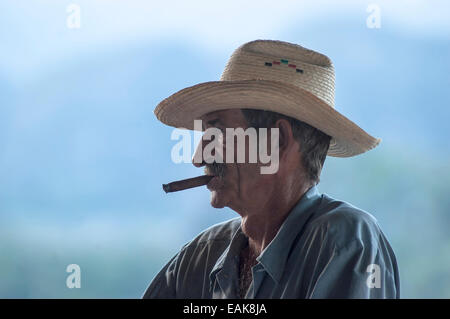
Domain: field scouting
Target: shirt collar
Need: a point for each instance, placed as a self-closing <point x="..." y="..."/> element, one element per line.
<point x="230" y="257"/>
<point x="274" y="256"/>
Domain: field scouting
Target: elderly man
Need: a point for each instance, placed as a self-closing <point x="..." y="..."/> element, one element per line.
<point x="290" y="241"/>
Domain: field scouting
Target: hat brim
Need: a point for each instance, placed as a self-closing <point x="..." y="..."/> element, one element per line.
<point x="183" y="107"/>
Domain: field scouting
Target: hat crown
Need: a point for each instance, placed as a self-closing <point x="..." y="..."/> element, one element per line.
<point x="283" y="62"/>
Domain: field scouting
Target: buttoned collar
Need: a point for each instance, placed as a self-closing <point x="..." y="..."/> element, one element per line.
<point x="275" y="255"/>
<point x="225" y="271"/>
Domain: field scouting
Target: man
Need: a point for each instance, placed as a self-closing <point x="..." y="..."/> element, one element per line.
<point x="290" y="241"/>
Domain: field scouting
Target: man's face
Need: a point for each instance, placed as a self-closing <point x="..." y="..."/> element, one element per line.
<point x="240" y="186"/>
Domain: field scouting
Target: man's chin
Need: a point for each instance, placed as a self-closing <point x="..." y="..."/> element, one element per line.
<point x="217" y="201"/>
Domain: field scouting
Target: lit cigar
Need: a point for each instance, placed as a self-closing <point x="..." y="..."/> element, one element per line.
<point x="187" y="183"/>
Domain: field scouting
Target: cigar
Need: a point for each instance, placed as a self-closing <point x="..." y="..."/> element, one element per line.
<point x="187" y="183"/>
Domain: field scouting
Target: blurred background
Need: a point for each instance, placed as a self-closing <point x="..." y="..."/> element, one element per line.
<point x="82" y="157"/>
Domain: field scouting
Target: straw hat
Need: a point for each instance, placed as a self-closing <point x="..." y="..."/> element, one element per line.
<point x="275" y="76"/>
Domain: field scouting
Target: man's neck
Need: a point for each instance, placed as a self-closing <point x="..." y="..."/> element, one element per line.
<point x="261" y="224"/>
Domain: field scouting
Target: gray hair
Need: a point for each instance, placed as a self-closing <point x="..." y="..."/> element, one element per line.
<point x="314" y="143"/>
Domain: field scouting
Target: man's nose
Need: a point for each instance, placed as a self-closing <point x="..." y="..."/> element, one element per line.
<point x="197" y="159"/>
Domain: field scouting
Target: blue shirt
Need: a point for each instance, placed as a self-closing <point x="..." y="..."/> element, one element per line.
<point x="325" y="248"/>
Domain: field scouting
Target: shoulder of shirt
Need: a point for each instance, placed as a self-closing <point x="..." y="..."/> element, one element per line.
<point x="343" y="223"/>
<point x="221" y="232"/>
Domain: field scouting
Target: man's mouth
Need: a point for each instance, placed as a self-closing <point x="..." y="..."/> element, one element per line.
<point x="218" y="172"/>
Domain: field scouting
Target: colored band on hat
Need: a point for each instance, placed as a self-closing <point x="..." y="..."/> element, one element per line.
<point x="284" y="61"/>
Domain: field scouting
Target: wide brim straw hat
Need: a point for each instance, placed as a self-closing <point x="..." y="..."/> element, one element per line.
<point x="275" y="76"/>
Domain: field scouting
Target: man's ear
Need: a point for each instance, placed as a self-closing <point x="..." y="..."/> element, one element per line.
<point x="286" y="136"/>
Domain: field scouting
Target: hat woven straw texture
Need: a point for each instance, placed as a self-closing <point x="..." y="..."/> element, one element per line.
<point x="275" y="76"/>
